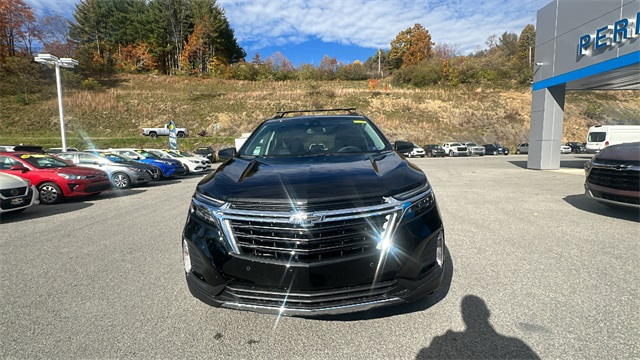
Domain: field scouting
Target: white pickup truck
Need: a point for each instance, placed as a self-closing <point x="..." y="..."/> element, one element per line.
<point x="164" y="131"/>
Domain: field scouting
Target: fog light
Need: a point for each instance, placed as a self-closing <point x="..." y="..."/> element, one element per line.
<point x="186" y="257"/>
<point x="440" y="248"/>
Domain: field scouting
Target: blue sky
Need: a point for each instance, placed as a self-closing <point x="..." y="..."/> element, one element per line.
<point x="306" y="30"/>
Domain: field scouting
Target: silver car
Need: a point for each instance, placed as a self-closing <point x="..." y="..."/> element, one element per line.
<point x="474" y="148"/>
<point x="122" y="176"/>
<point x="16" y="193"/>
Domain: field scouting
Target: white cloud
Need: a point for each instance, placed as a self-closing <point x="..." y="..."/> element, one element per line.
<point x="374" y="23"/>
<point x="365" y="23"/>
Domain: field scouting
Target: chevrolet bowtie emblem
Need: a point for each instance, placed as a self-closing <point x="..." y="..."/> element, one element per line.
<point x="305" y="219"/>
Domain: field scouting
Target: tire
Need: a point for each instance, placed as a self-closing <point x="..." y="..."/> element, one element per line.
<point x="495" y="152"/>
<point x="517" y="152"/>
<point x="121" y="181"/>
<point x="181" y="134"/>
<point x="450" y="153"/>
<point x="153" y="134"/>
<point x="50" y="193"/>
<point x="160" y="174"/>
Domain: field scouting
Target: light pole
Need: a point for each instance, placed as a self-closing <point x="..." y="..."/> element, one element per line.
<point x="65" y="63"/>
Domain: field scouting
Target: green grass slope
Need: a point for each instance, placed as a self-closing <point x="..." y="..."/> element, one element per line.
<point x="113" y="114"/>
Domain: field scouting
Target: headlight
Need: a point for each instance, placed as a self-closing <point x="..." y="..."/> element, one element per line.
<point x="413" y="192"/>
<point x="587" y="168"/>
<point x="205" y="207"/>
<point x="135" y="169"/>
<point x="211" y="211"/>
<point x="418" y="200"/>
<point x="72" y="176"/>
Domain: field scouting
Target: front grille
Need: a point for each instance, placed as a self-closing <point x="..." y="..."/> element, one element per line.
<point x="463" y="149"/>
<point x="309" y="300"/>
<point x="286" y="206"/>
<point x="13" y="192"/>
<point x="628" y="180"/>
<point x="7" y="204"/>
<point x="300" y="243"/>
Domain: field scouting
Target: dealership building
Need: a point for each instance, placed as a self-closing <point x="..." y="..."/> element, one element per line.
<point x="580" y="45"/>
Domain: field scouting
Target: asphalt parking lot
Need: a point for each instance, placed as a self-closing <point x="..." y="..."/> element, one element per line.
<point x="535" y="270"/>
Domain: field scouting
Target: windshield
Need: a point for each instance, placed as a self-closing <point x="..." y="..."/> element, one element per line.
<point x="314" y="136"/>
<point x="472" y="144"/>
<point x="182" y="152"/>
<point x="115" y="158"/>
<point x="147" y="154"/>
<point x="456" y="144"/>
<point x="42" y="161"/>
<point x="174" y="154"/>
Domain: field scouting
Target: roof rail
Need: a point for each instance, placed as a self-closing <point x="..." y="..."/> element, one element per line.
<point x="281" y="114"/>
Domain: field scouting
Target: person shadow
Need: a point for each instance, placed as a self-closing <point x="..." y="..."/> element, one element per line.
<point x="479" y="341"/>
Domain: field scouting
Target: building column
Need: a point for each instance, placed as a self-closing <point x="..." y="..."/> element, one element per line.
<point x="545" y="135"/>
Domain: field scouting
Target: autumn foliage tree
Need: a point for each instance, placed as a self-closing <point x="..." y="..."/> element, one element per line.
<point x="17" y="28"/>
<point x="410" y="47"/>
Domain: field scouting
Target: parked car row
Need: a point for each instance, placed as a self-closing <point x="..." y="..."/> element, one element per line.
<point x="31" y="176"/>
<point x="455" y="149"/>
<point x="567" y="148"/>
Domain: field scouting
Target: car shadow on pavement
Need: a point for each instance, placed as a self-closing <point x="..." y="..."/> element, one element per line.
<point x="584" y="203"/>
<point x="160" y="183"/>
<point x="113" y="193"/>
<point x="400" y="309"/>
<point x="564" y="164"/>
<point x="40" y="211"/>
<point x="478" y="341"/>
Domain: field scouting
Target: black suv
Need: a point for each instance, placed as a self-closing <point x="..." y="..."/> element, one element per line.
<point x="434" y="150"/>
<point x="613" y="176"/>
<point x="314" y="214"/>
<point x="206" y="151"/>
<point x="495" y="149"/>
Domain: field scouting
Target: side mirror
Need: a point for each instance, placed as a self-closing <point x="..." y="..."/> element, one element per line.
<point x="19" y="167"/>
<point x="226" y="154"/>
<point x="403" y="146"/>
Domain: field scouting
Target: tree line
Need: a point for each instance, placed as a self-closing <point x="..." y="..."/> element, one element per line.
<point x="194" y="38"/>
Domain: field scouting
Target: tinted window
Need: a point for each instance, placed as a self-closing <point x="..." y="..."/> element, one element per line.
<point x="597" y="136"/>
<point x="41" y="161"/>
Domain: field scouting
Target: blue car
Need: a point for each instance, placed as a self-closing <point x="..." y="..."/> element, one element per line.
<point x="168" y="167"/>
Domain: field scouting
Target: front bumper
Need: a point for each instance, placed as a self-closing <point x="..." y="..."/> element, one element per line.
<point x="630" y="199"/>
<point x="410" y="269"/>
<point x="19" y="201"/>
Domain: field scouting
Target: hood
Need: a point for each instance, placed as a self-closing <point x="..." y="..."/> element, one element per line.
<point x="622" y="152"/>
<point x="312" y="178"/>
<point x="9" y="181"/>
<point x="80" y="170"/>
<point x="137" y="164"/>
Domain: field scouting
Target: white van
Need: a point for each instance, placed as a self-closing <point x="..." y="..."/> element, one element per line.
<point x="601" y="136"/>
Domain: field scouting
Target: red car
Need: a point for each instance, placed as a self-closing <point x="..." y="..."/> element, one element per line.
<point x="54" y="178"/>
